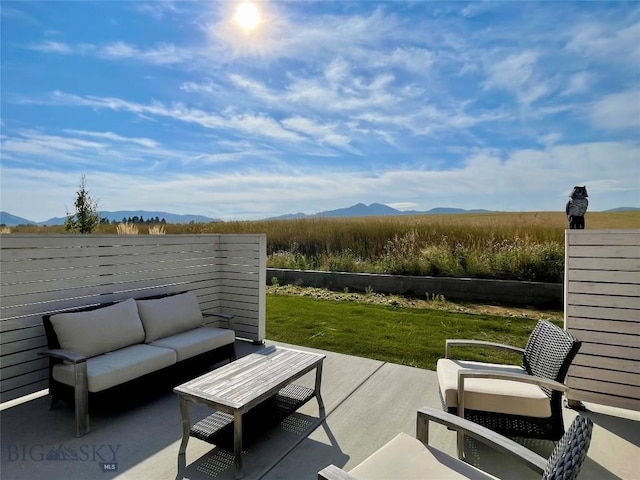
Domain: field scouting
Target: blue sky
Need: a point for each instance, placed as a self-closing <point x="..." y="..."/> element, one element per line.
<point x="174" y="106"/>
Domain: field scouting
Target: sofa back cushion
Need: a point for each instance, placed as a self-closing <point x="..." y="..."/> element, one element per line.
<point x="101" y="330"/>
<point x="166" y="316"/>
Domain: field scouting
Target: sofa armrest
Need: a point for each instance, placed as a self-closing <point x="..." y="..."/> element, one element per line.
<point x="477" y="343"/>
<point x="66" y="355"/>
<point x="80" y="387"/>
<point x="500" y="443"/>
<point x="334" y="473"/>
<point x="223" y="315"/>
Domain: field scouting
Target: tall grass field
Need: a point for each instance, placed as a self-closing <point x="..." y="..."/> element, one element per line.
<point x="517" y="246"/>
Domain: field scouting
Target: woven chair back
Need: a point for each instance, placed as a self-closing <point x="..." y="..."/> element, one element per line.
<point x="569" y="454"/>
<point x="549" y="352"/>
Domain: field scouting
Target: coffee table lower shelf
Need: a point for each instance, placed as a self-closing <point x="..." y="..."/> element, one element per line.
<point x="217" y="428"/>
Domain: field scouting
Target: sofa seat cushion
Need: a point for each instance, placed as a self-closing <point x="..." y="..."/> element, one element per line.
<point x="197" y="341"/>
<point x="492" y="395"/>
<point x="166" y="316"/>
<point x="406" y="458"/>
<point x="114" y="368"/>
<point x="105" y="329"/>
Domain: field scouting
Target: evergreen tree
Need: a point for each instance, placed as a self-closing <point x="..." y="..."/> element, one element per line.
<point x="86" y="217"/>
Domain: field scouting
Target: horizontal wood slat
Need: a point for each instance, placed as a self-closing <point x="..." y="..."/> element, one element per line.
<point x="605" y="251"/>
<point x="600" y="313"/>
<point x="604" y="276"/>
<point x="611" y="376"/>
<point x="618" y="364"/>
<point x="588" y="384"/>
<point x="602" y="309"/>
<point x="613" y="264"/>
<point x="605" y="288"/>
<point x="608" y="338"/>
<point x="599" y="325"/>
<point x="611" y="351"/>
<point x="605" y="399"/>
<point x="44" y="274"/>
<point x="611" y="301"/>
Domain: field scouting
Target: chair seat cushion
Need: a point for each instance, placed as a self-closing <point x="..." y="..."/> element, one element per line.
<point x="406" y="458"/>
<point x="111" y="369"/>
<point x="197" y="341"/>
<point x="492" y="395"/>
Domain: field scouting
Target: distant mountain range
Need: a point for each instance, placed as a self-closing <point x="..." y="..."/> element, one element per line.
<point x="373" y="210"/>
<point x="12" y="220"/>
<point x="357" y="210"/>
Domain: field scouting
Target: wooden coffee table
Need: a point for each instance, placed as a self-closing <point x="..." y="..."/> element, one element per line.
<point x="239" y="386"/>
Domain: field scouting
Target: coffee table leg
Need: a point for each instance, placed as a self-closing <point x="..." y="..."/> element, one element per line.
<point x="318" y="384"/>
<point x="237" y="442"/>
<point x="186" y="427"/>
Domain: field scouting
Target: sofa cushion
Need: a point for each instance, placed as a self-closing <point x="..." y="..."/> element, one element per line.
<point x="492" y="395"/>
<point x="101" y="330"/>
<point x="404" y="457"/>
<point x="114" y="368"/>
<point x="194" y="342"/>
<point x="169" y="315"/>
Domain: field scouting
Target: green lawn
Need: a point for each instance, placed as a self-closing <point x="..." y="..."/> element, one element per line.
<point x="407" y="336"/>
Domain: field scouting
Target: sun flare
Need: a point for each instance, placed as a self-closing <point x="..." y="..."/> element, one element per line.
<point x="247" y="16"/>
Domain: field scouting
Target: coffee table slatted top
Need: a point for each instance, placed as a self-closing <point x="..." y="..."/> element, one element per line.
<point x="248" y="380"/>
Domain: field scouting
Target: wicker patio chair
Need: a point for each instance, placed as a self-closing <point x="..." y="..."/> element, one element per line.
<point x="405" y="457"/>
<point x="517" y="401"/>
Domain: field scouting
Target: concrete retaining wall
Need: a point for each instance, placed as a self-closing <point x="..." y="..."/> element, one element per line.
<point x="505" y="292"/>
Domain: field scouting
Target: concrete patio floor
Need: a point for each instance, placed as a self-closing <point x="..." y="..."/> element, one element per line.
<point x="367" y="403"/>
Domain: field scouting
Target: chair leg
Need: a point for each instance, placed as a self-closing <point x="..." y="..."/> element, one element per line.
<point x="81" y="393"/>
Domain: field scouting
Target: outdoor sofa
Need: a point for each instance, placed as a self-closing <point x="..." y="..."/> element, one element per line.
<point x="125" y="347"/>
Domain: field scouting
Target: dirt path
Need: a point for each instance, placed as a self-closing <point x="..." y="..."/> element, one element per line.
<point x="435" y="303"/>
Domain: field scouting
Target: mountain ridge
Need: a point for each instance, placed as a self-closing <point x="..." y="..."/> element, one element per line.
<point x="13" y="220"/>
<point x="373" y="210"/>
<point x="357" y="210"/>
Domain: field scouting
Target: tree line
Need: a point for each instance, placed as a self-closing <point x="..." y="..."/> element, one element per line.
<point x="135" y="220"/>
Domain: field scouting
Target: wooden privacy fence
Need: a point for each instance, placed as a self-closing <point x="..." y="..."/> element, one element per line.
<point x="602" y="308"/>
<point x="43" y="274"/>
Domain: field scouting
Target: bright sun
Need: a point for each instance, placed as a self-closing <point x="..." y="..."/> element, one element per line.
<point x="247" y="16"/>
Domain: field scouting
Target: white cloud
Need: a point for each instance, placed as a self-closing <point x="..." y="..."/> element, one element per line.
<point x="579" y="83"/>
<point x="518" y="74"/>
<point x="606" y="43"/>
<point x="51" y="46"/>
<point x="617" y="111"/>
<point x="145" y="142"/>
<point x="403" y="205"/>
<point x="324" y="133"/>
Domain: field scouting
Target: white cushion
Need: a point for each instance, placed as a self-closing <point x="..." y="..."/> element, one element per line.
<point x="406" y="458"/>
<point x="167" y="316"/>
<point x="194" y="342"/>
<point x="492" y="395"/>
<point x="111" y="369"/>
<point x="101" y="330"/>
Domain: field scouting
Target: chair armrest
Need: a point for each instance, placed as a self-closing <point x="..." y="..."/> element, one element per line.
<point x="495" y="440"/>
<point x="477" y="343"/>
<point x="66" y="355"/>
<point x="334" y="473"/>
<point x="516" y="377"/>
